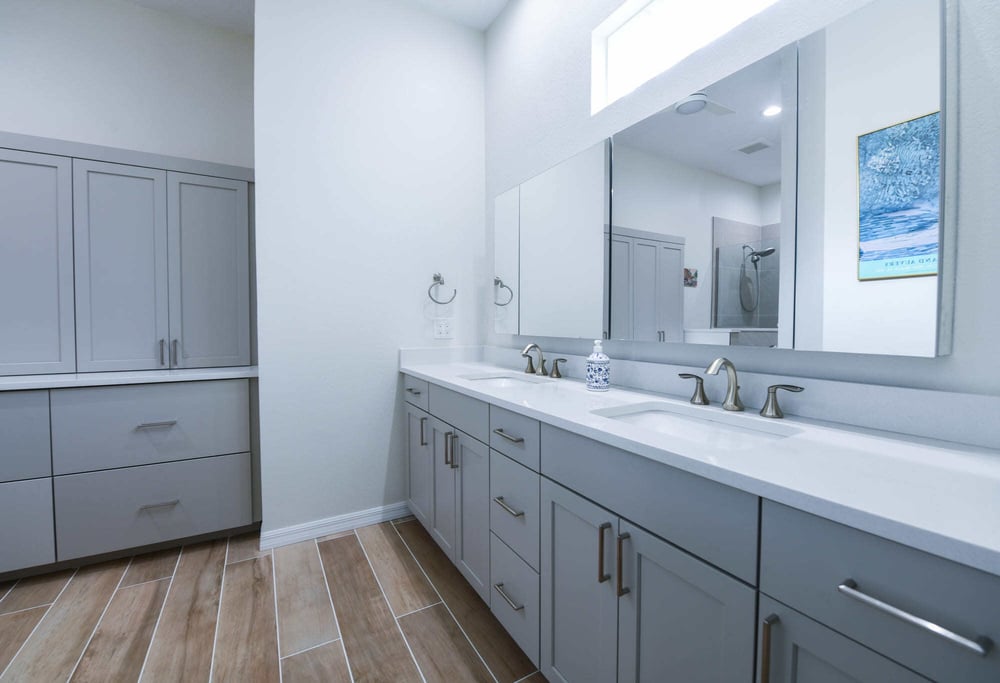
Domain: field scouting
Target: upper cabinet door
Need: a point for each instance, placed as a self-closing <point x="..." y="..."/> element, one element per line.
<point x="120" y="224"/>
<point x="209" y="271"/>
<point x="36" y="264"/>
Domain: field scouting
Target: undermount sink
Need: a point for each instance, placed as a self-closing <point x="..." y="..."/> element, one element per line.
<point x="503" y="380"/>
<point x="704" y="425"/>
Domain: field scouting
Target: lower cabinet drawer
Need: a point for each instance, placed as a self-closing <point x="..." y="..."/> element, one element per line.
<point x="514" y="506"/>
<point x="852" y="581"/>
<point x="415" y="391"/>
<point x="26" y="531"/>
<point x="514" y="598"/>
<point x="100" y="512"/>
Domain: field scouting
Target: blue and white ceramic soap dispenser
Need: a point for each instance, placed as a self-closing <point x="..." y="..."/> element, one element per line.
<point x="598" y="369"/>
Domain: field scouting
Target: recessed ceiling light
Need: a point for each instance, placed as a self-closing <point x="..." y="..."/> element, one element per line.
<point x="773" y="110"/>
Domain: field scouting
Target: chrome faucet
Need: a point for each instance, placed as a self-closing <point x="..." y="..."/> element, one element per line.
<point x="526" y="353"/>
<point x="732" y="400"/>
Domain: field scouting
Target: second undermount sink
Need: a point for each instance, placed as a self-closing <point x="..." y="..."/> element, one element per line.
<point x="704" y="425"/>
<point x="502" y="380"/>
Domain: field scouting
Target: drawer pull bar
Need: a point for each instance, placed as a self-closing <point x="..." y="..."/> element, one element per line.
<point x="502" y="503"/>
<point x="765" y="647"/>
<point x="513" y="439"/>
<point x="601" y="576"/>
<point x="413" y="391"/>
<point x="423" y="439"/>
<point x="164" y="504"/>
<point x="454" y="460"/>
<point x="157" y="425"/>
<point x="980" y="645"/>
<point x="622" y="589"/>
<point x="448" y="453"/>
<point x="503" y="594"/>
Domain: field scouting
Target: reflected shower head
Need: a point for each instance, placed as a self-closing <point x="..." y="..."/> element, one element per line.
<point x="763" y="252"/>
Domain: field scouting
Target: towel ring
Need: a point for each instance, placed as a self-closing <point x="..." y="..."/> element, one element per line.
<point x="438" y="280"/>
<point x="497" y="282"/>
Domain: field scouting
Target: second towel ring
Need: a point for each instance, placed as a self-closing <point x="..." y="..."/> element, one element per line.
<point x="497" y="282"/>
<point x="438" y="280"/>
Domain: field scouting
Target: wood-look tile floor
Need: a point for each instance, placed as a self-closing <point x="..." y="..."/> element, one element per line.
<point x="381" y="603"/>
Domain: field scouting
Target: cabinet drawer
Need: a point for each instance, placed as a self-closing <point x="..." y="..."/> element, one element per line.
<point x="415" y="391"/>
<point x="517" y="489"/>
<point x="712" y="521"/>
<point x="24" y="435"/>
<point x="467" y="414"/>
<point x="107" y="427"/>
<point x="99" y="512"/>
<point x="519" y="582"/>
<point x="26" y="532"/>
<point x="804" y="559"/>
<point x="515" y="436"/>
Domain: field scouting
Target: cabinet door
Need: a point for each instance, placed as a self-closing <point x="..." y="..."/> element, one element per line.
<point x="621" y="287"/>
<point x="36" y="264"/>
<point x="120" y="226"/>
<point x="645" y="291"/>
<point x="796" y="649"/>
<point x="681" y="619"/>
<point x="444" y="501"/>
<point x="26" y="536"/>
<point x="472" y="553"/>
<point x="579" y="613"/>
<point x="420" y="464"/>
<point x="209" y="271"/>
<point x="670" y="292"/>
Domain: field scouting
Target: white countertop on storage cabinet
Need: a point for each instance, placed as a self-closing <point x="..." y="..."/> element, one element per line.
<point x="937" y="496"/>
<point x="100" y="379"/>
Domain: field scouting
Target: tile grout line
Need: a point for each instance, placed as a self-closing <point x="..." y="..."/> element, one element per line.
<point x="421" y="609"/>
<point x="163" y="607"/>
<point x="277" y="621"/>
<point x="445" y="603"/>
<point x="11" y="588"/>
<point x="98" y="624"/>
<point x="26" y="609"/>
<point x="389" y="605"/>
<point x="522" y="680"/>
<point x="218" y="613"/>
<point x="310" y="648"/>
<point x="51" y="604"/>
<point x="247" y="559"/>
<point x="336" y="621"/>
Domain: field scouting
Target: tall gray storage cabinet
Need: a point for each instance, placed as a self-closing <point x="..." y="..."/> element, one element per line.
<point x="36" y="264"/>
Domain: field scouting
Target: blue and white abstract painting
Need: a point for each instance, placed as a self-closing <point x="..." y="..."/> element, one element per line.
<point x="899" y="191"/>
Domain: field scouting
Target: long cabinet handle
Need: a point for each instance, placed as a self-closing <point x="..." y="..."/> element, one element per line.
<point x="174" y="354"/>
<point x="448" y="455"/>
<point x="502" y="503"/>
<point x="601" y="576"/>
<point x="164" y="504"/>
<point x="423" y="439"/>
<point x="503" y="594"/>
<point x="454" y="460"/>
<point x="513" y="439"/>
<point x="622" y="589"/>
<point x="162" y="424"/>
<point x="765" y="647"/>
<point x="980" y="645"/>
<point x="411" y="390"/>
<point x="163" y="354"/>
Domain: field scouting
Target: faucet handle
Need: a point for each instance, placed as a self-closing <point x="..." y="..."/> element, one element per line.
<point x="530" y="370"/>
<point x="771" y="407"/>
<point x="698" y="398"/>
<point x="555" y="374"/>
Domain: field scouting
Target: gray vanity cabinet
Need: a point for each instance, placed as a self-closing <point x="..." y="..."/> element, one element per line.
<point x="796" y="649"/>
<point x="472" y="479"/>
<point x="444" y="517"/>
<point x="36" y="264"/>
<point x="420" y="464"/>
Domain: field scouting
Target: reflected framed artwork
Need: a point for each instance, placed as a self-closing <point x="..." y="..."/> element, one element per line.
<point x="899" y="193"/>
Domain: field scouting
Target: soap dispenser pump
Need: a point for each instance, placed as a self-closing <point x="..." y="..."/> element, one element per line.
<point x="598" y="369"/>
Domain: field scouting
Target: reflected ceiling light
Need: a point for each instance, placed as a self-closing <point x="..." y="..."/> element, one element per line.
<point x="773" y="110"/>
<point x="692" y="104"/>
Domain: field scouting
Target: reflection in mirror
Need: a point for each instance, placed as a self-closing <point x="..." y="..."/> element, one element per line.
<point x="716" y="174"/>
<point x="505" y="259"/>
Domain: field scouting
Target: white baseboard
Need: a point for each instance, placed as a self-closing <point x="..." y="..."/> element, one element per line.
<point x="332" y="525"/>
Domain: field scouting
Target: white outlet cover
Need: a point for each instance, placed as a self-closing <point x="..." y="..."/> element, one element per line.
<point x="442" y="328"/>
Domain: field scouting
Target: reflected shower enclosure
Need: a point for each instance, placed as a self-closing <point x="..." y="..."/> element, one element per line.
<point x="746" y="275"/>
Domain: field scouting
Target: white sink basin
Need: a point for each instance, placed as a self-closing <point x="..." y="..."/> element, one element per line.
<point x="707" y="426"/>
<point x="503" y="380"/>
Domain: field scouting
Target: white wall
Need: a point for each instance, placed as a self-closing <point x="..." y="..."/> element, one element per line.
<point x="661" y="195"/>
<point x="109" y="72"/>
<point x="369" y="139"/>
<point x="538" y="112"/>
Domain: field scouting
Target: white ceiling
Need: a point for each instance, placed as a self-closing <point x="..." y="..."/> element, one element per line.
<point x="237" y="15"/>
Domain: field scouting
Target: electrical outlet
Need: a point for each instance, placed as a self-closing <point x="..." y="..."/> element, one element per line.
<point x="442" y="328"/>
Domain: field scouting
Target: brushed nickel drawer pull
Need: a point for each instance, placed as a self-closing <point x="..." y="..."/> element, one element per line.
<point x="454" y="460"/>
<point x="156" y="425"/>
<point x="502" y="503"/>
<point x="423" y="439"/>
<point x="176" y="355"/>
<point x="163" y="343"/>
<point x="503" y="594"/>
<point x="448" y="455"/>
<point x="765" y="647"/>
<point x="165" y="504"/>
<point x="601" y="576"/>
<point x="622" y="589"/>
<point x="413" y="391"/>
<point x="513" y="439"/>
<point x="981" y="645"/>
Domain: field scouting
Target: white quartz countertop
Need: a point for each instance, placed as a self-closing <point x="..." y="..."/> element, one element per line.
<point x="937" y="496"/>
<point x="100" y="379"/>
